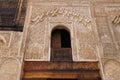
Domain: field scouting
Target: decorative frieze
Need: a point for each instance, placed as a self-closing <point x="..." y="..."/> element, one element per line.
<point x="63" y="12"/>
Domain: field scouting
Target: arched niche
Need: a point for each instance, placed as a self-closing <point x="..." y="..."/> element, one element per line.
<point x="60" y="44"/>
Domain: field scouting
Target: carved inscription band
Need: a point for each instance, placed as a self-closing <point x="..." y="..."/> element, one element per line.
<point x="64" y="12"/>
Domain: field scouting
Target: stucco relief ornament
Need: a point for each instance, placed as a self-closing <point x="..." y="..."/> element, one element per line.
<point x="63" y="12"/>
<point x="116" y="19"/>
<point x="44" y="15"/>
<point x="2" y="40"/>
<point x="87" y="51"/>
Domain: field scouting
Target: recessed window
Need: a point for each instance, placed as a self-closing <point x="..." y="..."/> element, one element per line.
<point x="61" y="45"/>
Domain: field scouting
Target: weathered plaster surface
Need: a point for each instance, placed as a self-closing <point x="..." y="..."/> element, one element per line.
<point x="94" y="26"/>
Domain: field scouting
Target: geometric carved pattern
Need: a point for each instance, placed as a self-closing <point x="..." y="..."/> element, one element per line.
<point x="15" y="43"/>
<point x="35" y="43"/>
<point x="9" y="43"/>
<point x="112" y="70"/>
<point x="87" y="51"/>
<point x="86" y="37"/>
<point x="36" y="34"/>
<point x="9" y="70"/>
<point x="34" y="52"/>
<point x="109" y="50"/>
<point x="38" y="25"/>
<point x="87" y="42"/>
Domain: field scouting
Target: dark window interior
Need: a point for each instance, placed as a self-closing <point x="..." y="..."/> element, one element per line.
<point x="61" y="45"/>
<point x="61" y="38"/>
<point x="65" y="39"/>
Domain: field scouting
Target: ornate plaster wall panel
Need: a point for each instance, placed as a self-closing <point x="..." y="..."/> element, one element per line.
<point x="87" y="51"/>
<point x="5" y="38"/>
<point x="109" y="49"/>
<point x="87" y="42"/>
<point x="77" y="19"/>
<point x="9" y="70"/>
<point x="9" y="48"/>
<point x="113" y="13"/>
<point x="104" y="23"/>
<point x="15" y="44"/>
<point x="80" y="18"/>
<point x="112" y="68"/>
<point x="35" y="41"/>
<point x="10" y="43"/>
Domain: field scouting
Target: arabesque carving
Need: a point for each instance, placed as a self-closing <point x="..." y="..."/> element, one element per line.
<point x="64" y="12"/>
<point x="88" y="51"/>
<point x="112" y="67"/>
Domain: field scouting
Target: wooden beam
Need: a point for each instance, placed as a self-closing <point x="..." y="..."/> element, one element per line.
<point x="70" y="75"/>
<point x="57" y="66"/>
<point x="70" y="70"/>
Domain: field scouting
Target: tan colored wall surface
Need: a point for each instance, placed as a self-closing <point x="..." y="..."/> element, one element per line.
<point x="10" y="59"/>
<point x="94" y="27"/>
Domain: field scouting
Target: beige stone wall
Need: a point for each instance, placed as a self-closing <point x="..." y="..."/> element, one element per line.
<point x="94" y="35"/>
<point x="10" y="59"/>
<point x="108" y="30"/>
<point x="94" y="27"/>
<point x="44" y="17"/>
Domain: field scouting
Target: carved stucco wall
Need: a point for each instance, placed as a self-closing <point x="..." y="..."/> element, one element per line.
<point x="10" y="59"/>
<point x="94" y="35"/>
<point x="76" y="18"/>
<point x="108" y="31"/>
<point x="112" y="70"/>
<point x="9" y="70"/>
